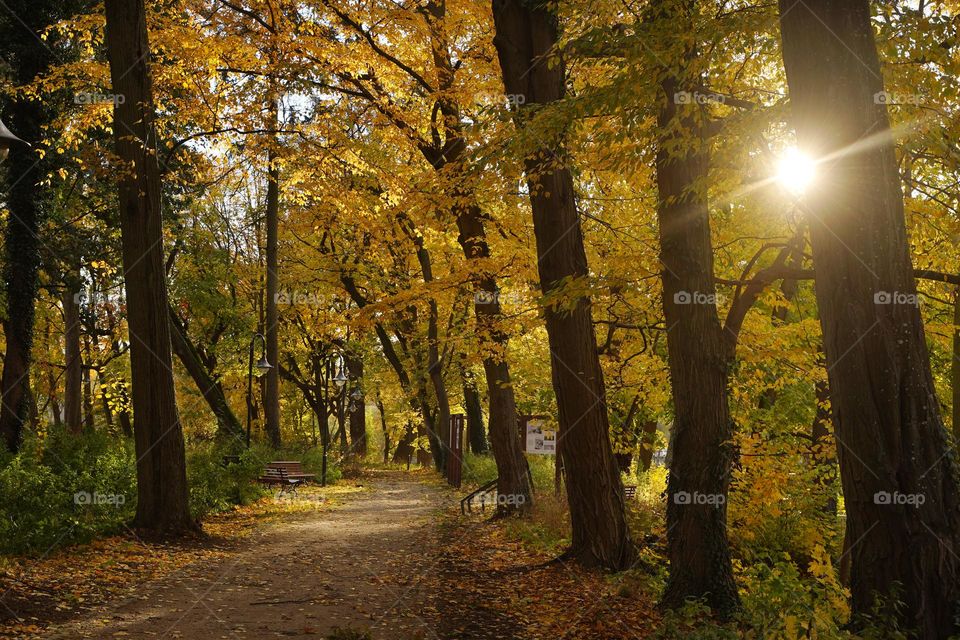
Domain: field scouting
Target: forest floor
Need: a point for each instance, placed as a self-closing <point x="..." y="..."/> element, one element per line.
<point x="390" y="558"/>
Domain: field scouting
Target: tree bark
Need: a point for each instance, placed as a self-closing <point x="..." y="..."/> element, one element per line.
<point x="25" y="202"/>
<point x="700" y="354"/>
<point x="892" y="444"/>
<point x="358" y="408"/>
<point x="271" y="398"/>
<point x="511" y="466"/>
<point x="210" y="387"/>
<point x="955" y="368"/>
<point x="73" y="365"/>
<point x="383" y="428"/>
<point x="526" y="35"/>
<point x="476" y="433"/>
<point x="648" y="434"/>
<point x="89" y="419"/>
<point x="162" y="504"/>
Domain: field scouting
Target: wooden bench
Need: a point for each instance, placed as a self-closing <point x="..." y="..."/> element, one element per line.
<point x="630" y="491"/>
<point x="287" y="474"/>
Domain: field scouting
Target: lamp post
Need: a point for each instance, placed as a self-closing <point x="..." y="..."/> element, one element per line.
<point x="8" y="141"/>
<point x="339" y="380"/>
<point x="262" y="367"/>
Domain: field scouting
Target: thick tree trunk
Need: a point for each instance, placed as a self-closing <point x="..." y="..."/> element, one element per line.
<point x="358" y="408"/>
<point x="955" y="368"/>
<point x="271" y="398"/>
<point x="897" y="469"/>
<point x="228" y="426"/>
<point x="526" y="34"/>
<point x="162" y="504"/>
<point x="476" y="433"/>
<point x="24" y="200"/>
<point x="699" y="357"/>
<point x="73" y="365"/>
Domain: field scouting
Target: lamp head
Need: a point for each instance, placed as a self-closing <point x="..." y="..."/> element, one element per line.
<point x="263" y="365"/>
<point x="340" y="379"/>
<point x="8" y="141"/>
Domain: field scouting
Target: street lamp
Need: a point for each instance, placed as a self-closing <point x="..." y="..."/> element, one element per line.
<point x="340" y="380"/>
<point x="8" y="141"/>
<point x="262" y="367"/>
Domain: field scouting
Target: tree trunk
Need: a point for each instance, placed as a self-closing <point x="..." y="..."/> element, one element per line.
<point x="476" y="433"/>
<point x="73" y="365"/>
<point x="511" y="465"/>
<point x="271" y="398"/>
<point x="648" y="434"/>
<point x="25" y="202"/>
<point x="228" y="426"/>
<point x="700" y="469"/>
<point x="89" y="419"/>
<point x="162" y="504"/>
<point x="383" y="428"/>
<point x="955" y="367"/>
<point x="512" y="475"/>
<point x="897" y="471"/>
<point x="358" y="408"/>
<point x="526" y="34"/>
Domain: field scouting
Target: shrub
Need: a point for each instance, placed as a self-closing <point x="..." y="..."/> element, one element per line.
<point x="66" y="490"/>
<point x="215" y="485"/>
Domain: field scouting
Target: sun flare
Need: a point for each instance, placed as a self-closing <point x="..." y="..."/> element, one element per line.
<point x="796" y="171"/>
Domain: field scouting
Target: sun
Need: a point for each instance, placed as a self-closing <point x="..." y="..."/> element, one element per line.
<point x="796" y="171"/>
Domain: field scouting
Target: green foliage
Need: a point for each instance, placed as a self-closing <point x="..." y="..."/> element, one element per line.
<point x="216" y="484"/>
<point x="781" y="601"/>
<point x="65" y="490"/>
<point x="693" y="622"/>
<point x="312" y="460"/>
<point x="480" y="469"/>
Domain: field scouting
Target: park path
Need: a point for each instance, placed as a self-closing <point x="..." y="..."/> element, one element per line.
<point x="360" y="566"/>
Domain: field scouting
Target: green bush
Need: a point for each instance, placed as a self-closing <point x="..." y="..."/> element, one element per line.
<point x="67" y="490"/>
<point x="216" y="485"/>
<point x="312" y="460"/>
<point x="480" y="469"/>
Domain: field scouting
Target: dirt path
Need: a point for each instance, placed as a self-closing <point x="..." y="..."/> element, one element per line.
<point x="334" y="568"/>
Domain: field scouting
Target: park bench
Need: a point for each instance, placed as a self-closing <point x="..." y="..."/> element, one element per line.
<point x="287" y="474"/>
<point x="630" y="491"/>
